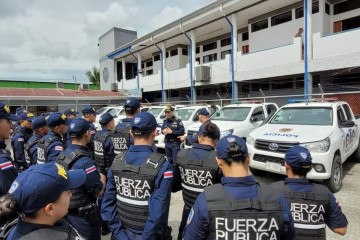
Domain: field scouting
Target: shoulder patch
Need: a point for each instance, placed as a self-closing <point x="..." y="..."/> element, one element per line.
<point x="59" y="148"/>
<point x="191" y="216"/>
<point x="90" y="169"/>
<point x="13" y="187"/>
<point x="6" y="165"/>
<point x="20" y="139"/>
<point x="168" y="174"/>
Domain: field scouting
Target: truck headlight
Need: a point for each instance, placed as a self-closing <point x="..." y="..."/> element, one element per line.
<point x="318" y="147"/>
<point x="226" y="132"/>
<point x="250" y="140"/>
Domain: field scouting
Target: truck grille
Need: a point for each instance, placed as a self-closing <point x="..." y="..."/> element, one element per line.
<point x="273" y="146"/>
<point x="264" y="158"/>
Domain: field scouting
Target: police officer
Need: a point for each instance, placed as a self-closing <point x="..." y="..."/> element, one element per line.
<point x="204" y="117"/>
<point x="52" y="144"/>
<point x="16" y="124"/>
<point x="41" y="194"/>
<point x="7" y="170"/>
<point x="21" y="135"/>
<point x="40" y="128"/>
<point x="89" y="114"/>
<point x="121" y="137"/>
<point x="137" y="198"/>
<point x="238" y="208"/>
<point x="196" y="168"/>
<point x="312" y="205"/>
<point x="172" y="128"/>
<point x="83" y="213"/>
<point x="71" y="113"/>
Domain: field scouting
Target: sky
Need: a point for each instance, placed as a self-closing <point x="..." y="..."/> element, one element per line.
<point x="57" y="40"/>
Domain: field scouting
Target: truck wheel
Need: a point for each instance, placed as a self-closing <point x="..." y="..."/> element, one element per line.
<point x="334" y="183"/>
<point x="257" y="172"/>
<point x="355" y="157"/>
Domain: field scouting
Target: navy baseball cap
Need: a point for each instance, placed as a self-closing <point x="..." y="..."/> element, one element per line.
<point x="88" y="110"/>
<point x="143" y="123"/>
<point x="42" y="184"/>
<point x="204" y="112"/>
<point x="131" y="103"/>
<point x="5" y="113"/>
<point x="38" y="122"/>
<point x="70" y="111"/>
<point x="27" y="116"/>
<point x="19" y="110"/>
<point x="223" y="144"/>
<point x="105" y="118"/>
<point x="202" y="130"/>
<point x="78" y="127"/>
<point x="299" y="157"/>
<point x="56" y="119"/>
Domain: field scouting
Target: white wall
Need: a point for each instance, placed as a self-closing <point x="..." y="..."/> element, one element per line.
<point x="109" y="63"/>
<point x="106" y="44"/>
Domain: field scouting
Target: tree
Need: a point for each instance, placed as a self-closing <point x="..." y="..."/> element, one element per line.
<point x="94" y="76"/>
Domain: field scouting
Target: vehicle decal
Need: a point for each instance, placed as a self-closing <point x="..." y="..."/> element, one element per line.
<point x="281" y="135"/>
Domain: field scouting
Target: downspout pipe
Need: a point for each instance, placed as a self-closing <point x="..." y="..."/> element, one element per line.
<point x="306" y="50"/>
<point x="232" y="55"/>
<point x="137" y="69"/>
<point x="162" y="70"/>
<point x="191" y="64"/>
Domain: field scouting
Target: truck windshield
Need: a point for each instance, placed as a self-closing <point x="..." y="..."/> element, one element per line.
<point x="184" y="114"/>
<point x="155" y="111"/>
<point x="117" y="111"/>
<point x="231" y="114"/>
<point x="303" y="116"/>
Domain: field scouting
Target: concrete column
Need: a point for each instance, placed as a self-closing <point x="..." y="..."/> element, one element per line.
<point x="309" y="29"/>
<point x="123" y="72"/>
<point x="235" y="42"/>
<point x="193" y="52"/>
<point x="139" y="63"/>
<point x="236" y="90"/>
<point x="310" y="85"/>
<point x="163" y="76"/>
<point x="163" y="49"/>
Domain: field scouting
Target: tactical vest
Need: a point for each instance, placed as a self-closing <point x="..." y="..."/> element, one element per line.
<point x="42" y="148"/>
<point x="102" y="160"/>
<point x="29" y="144"/>
<point x="121" y="139"/>
<point x="80" y="197"/>
<point x="252" y="219"/>
<point x="196" y="174"/>
<point x="309" y="210"/>
<point x="134" y="185"/>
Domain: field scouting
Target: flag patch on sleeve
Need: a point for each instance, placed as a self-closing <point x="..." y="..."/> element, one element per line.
<point x="92" y="132"/>
<point x="90" y="169"/>
<point x="6" y="165"/>
<point x="20" y="139"/>
<point x="168" y="174"/>
<point x="59" y="148"/>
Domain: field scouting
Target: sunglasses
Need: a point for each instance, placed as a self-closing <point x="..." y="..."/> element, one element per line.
<point x="167" y="111"/>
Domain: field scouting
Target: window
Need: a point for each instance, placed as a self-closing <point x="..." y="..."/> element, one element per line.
<point x="142" y="65"/>
<point x="258" y="114"/>
<point x="347" y="111"/>
<point x="281" y="18"/>
<point x="224" y="53"/>
<point x="245" y="36"/>
<point x="167" y="54"/>
<point x="149" y="72"/>
<point x="157" y="58"/>
<point x="198" y="60"/>
<point x="315" y="7"/>
<point x="350" y="23"/>
<point x="210" y="46"/>
<point x="225" y="42"/>
<point x="197" y="49"/>
<point x="184" y="51"/>
<point x="173" y="52"/>
<point x="210" y="58"/>
<point x="299" y="12"/>
<point x="346" y="6"/>
<point x="327" y="8"/>
<point x="271" y="109"/>
<point x="259" y="25"/>
<point x="149" y="64"/>
<point x="340" y="115"/>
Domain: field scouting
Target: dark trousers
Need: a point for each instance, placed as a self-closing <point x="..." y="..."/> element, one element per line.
<point x="185" y="214"/>
<point x="171" y="151"/>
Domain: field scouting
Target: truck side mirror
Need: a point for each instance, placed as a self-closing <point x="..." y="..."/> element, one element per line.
<point x="346" y="124"/>
<point x="254" y="119"/>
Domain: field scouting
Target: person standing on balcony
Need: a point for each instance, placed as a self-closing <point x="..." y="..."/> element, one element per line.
<point x="299" y="34"/>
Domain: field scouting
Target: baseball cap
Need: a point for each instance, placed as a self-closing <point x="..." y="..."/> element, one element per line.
<point x="5" y="113"/>
<point x="70" y="111"/>
<point x="131" y="103"/>
<point x="299" y="157"/>
<point x="56" y="119"/>
<point x="27" y="116"/>
<point x="19" y="110"/>
<point x="88" y="110"/>
<point x="203" y="112"/>
<point x="223" y="144"/>
<point x="169" y="108"/>
<point x="105" y="118"/>
<point x="78" y="127"/>
<point x="143" y="123"/>
<point x="38" y="122"/>
<point x="42" y="184"/>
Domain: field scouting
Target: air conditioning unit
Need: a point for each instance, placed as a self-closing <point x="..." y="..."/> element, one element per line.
<point x="114" y="87"/>
<point x="60" y="85"/>
<point x="202" y="73"/>
<point x="84" y="87"/>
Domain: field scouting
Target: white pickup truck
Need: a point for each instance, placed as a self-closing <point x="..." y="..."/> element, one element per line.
<point x="329" y="130"/>
<point x="238" y="119"/>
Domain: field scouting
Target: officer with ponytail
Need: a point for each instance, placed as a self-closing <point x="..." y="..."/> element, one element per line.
<point x="41" y="194"/>
<point x="312" y="205"/>
<point x="196" y="168"/>
<point x="239" y="207"/>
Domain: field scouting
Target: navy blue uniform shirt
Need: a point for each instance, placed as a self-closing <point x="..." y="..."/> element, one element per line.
<point x="159" y="200"/>
<point x="239" y="188"/>
<point x="7" y="171"/>
<point x="55" y="148"/>
<point x="92" y="132"/>
<point x="18" y="141"/>
<point x="334" y="217"/>
<point x="194" y="138"/>
<point x="108" y="146"/>
<point x="33" y="149"/>
<point x="176" y="125"/>
<point x="22" y="228"/>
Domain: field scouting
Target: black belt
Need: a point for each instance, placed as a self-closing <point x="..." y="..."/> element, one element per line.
<point x="172" y="140"/>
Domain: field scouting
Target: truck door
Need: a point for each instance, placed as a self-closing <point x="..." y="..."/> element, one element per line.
<point x="347" y="134"/>
<point x="257" y="117"/>
<point x="353" y="132"/>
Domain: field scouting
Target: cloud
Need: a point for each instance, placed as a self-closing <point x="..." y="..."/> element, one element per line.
<point x="167" y="15"/>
